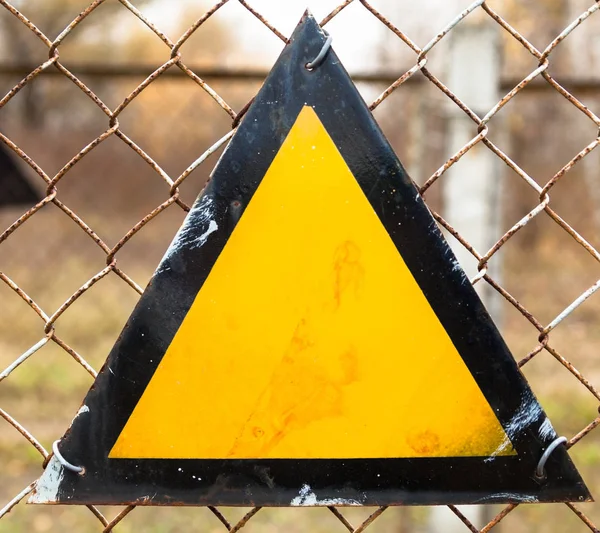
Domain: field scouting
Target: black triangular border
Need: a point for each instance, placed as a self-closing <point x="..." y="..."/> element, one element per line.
<point x="181" y="274"/>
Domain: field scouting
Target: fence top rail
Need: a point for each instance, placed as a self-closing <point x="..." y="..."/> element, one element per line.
<point x="579" y="85"/>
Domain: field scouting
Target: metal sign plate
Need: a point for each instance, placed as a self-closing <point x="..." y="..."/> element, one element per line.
<point x="309" y="338"/>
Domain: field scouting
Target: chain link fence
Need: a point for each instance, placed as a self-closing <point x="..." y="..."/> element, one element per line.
<point x="42" y="335"/>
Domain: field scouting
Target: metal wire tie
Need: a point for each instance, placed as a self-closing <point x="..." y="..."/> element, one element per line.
<point x="539" y="471"/>
<point x="63" y="461"/>
<point x="311" y="65"/>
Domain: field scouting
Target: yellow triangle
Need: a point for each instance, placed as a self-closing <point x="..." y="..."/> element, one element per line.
<point x="310" y="338"/>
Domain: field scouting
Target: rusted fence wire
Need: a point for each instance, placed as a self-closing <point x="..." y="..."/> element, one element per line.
<point x="49" y="331"/>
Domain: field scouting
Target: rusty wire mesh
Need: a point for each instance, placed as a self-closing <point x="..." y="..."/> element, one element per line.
<point x="49" y="332"/>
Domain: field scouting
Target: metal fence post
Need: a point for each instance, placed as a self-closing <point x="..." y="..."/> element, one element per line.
<point x="471" y="190"/>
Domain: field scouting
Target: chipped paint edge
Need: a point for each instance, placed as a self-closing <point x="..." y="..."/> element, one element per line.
<point x="46" y="490"/>
<point x="307" y="498"/>
<point x="83" y="409"/>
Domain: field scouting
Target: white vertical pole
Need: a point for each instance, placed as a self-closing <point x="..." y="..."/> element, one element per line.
<point x="471" y="188"/>
<point x="584" y="55"/>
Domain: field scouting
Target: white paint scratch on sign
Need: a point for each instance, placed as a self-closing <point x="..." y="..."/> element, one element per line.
<point x="199" y="216"/>
<point x="82" y="409"/>
<point x="46" y="490"/>
<point x="307" y="498"/>
<point x="503" y="496"/>
<point x="546" y="431"/>
<point x="527" y="413"/>
<point x="199" y="241"/>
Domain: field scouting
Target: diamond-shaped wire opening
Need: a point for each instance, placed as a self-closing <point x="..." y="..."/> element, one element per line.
<point x="553" y="340"/>
<point x="177" y="135"/>
<point x="44" y="101"/>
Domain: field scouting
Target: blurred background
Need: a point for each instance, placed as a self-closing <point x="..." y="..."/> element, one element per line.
<point x="546" y="265"/>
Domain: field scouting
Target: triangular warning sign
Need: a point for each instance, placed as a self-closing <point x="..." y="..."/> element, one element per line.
<point x="309" y="338"/>
<point x="308" y="312"/>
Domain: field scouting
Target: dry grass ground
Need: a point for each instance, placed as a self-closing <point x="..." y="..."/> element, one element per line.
<point x="50" y="258"/>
